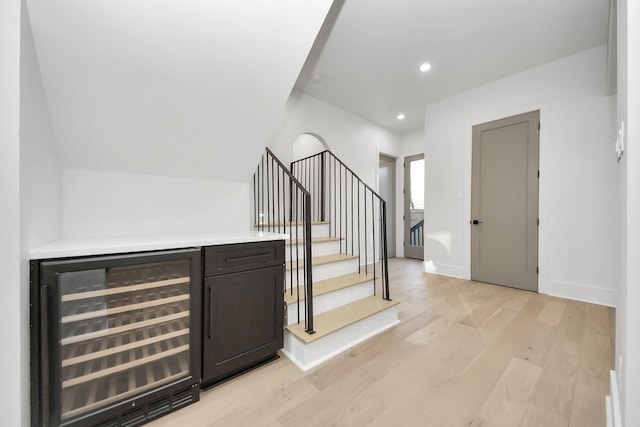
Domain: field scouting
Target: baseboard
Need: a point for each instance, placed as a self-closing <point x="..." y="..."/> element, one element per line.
<point x="580" y="292"/>
<point x="614" y="417"/>
<point x="443" y="269"/>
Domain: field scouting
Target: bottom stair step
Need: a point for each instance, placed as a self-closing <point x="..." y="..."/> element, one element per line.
<point x="338" y="330"/>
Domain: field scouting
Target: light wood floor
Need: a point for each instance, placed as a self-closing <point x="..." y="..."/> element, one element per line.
<point x="465" y="354"/>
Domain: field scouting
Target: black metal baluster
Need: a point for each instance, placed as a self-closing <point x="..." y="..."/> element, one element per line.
<point x="340" y="220"/>
<point x="322" y="189"/>
<point x="313" y="184"/>
<point x="335" y="199"/>
<point x="385" y="257"/>
<point x="373" y="246"/>
<point x="269" y="201"/>
<point x="366" y="248"/>
<point x="273" y="191"/>
<point x="261" y="213"/>
<point x="346" y="208"/>
<point x="308" y="266"/>
<point x="297" y="257"/>
<point x="359" y="231"/>
<point x="352" y="215"/>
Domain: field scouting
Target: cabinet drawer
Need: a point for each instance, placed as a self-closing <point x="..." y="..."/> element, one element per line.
<point x="242" y="256"/>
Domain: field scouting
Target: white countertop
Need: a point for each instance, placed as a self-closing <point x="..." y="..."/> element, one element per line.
<point x="113" y="245"/>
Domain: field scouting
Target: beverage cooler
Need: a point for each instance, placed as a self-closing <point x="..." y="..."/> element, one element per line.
<point x="115" y="340"/>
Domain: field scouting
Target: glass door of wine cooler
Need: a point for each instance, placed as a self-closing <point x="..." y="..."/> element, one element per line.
<point x="119" y="329"/>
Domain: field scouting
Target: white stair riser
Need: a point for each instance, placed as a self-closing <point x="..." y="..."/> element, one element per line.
<point x="317" y="249"/>
<point x="317" y="230"/>
<point x="325" y="271"/>
<point x="326" y="302"/>
<point x="312" y="354"/>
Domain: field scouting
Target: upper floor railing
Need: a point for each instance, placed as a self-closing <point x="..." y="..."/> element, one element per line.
<point x="416" y="234"/>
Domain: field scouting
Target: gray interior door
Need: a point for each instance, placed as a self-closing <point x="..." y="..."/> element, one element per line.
<point x="414" y="206"/>
<point x="504" y="202"/>
<point x="387" y="189"/>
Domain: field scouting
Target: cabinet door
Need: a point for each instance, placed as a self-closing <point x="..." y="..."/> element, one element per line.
<point x="243" y="321"/>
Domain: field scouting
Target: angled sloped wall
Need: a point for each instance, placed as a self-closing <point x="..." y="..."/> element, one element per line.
<point x="161" y="110"/>
<point x="187" y="89"/>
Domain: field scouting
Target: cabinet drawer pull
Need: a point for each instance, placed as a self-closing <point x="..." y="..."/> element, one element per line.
<point x="210" y="311"/>
<point x="244" y="258"/>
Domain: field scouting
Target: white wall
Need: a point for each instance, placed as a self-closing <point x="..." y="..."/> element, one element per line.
<point x="306" y="145"/>
<point x="631" y="379"/>
<point x="99" y="204"/>
<point x="40" y="166"/>
<point x="621" y="300"/>
<point x="412" y="142"/>
<point x="578" y="250"/>
<point x="628" y="298"/>
<point x="354" y="140"/>
<point x="40" y="185"/>
<point x="12" y="397"/>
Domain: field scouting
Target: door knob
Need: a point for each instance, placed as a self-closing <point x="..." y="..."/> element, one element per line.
<point x="476" y="222"/>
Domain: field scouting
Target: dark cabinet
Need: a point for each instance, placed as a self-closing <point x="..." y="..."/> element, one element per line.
<point x="243" y="307"/>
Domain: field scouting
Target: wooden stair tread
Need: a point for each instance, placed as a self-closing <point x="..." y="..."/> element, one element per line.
<point x="288" y="223"/>
<point x="321" y="260"/>
<point x="313" y="240"/>
<point x="341" y="317"/>
<point x="322" y="287"/>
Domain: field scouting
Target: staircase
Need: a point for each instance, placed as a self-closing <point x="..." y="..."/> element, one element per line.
<point x="337" y="291"/>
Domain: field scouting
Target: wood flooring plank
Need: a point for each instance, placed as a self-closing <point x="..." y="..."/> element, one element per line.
<point x="272" y="407"/>
<point x="537" y="343"/>
<point x="537" y="417"/>
<point x="555" y="389"/>
<point x="596" y="358"/>
<point x="483" y="312"/>
<point x="552" y="313"/>
<point x="435" y="329"/>
<point x="461" y="404"/>
<point x="509" y="398"/>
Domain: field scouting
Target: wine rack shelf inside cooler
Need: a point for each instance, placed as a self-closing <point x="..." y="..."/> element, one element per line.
<point x="123" y="330"/>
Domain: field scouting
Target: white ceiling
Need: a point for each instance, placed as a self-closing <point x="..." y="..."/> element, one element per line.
<point x="369" y="56"/>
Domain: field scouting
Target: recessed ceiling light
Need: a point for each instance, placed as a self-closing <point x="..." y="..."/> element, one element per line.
<point x="400" y="116"/>
<point x="425" y="67"/>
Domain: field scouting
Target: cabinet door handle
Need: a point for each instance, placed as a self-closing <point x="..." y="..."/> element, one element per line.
<point x="247" y="257"/>
<point x="210" y="311"/>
